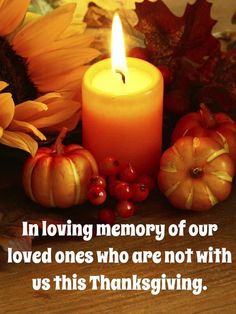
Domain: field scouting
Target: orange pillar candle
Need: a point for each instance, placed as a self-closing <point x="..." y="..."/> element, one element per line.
<point x="122" y="109"/>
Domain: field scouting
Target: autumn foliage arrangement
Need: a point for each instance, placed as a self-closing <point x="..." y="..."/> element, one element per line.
<point x="195" y="68"/>
<point x="197" y="171"/>
<point x="198" y="166"/>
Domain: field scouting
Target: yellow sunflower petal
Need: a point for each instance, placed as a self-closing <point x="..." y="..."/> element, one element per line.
<point x="57" y="104"/>
<point x="58" y="112"/>
<point x="26" y="110"/>
<point x="30" y="17"/>
<point x="71" y="90"/>
<point x="49" y="97"/>
<point x="12" y="13"/>
<point x="55" y="69"/>
<point x="47" y="122"/>
<point x="76" y="41"/>
<point x="72" y="94"/>
<point x="32" y="39"/>
<point x="61" y="61"/>
<point x="7" y="108"/>
<point x="50" y="81"/>
<point x="3" y="85"/>
<point x="61" y="81"/>
<point x="70" y="124"/>
<point x="19" y="140"/>
<point x="76" y="27"/>
<point x="26" y="128"/>
<point x="62" y="104"/>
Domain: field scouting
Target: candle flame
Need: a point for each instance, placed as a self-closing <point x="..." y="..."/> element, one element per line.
<point x="118" y="57"/>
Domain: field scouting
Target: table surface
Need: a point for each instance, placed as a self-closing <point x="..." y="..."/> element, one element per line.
<point x="16" y="291"/>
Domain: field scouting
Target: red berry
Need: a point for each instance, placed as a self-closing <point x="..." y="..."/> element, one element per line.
<point x="122" y="191"/>
<point x="125" y="209"/>
<point x="128" y="173"/>
<point x="97" y="181"/>
<point x="148" y="181"/>
<point x="140" y="53"/>
<point x="112" y="181"/>
<point x="97" y="195"/>
<point x="107" y="216"/>
<point x="140" y="192"/>
<point x="109" y="166"/>
<point x="166" y="73"/>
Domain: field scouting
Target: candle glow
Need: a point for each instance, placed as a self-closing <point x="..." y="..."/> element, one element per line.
<point x="123" y="118"/>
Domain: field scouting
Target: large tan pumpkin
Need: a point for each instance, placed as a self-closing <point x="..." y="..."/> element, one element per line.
<point x="58" y="176"/>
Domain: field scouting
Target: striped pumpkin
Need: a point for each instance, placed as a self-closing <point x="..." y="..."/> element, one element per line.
<point x="196" y="173"/>
<point x="58" y="176"/>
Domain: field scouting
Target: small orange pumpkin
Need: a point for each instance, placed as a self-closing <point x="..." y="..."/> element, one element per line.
<point x="218" y="126"/>
<point x="195" y="173"/>
<point x="58" y="176"/>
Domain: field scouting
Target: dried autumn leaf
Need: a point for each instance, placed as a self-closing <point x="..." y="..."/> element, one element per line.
<point x="170" y="38"/>
<point x="219" y="78"/>
<point x="11" y="236"/>
<point x="11" y="228"/>
<point x="224" y="71"/>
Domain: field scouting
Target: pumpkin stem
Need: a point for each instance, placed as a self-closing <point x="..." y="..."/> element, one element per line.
<point x="196" y="173"/>
<point x="58" y="146"/>
<point x="208" y="118"/>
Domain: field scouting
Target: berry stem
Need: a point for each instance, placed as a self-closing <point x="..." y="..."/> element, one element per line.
<point x="58" y="146"/>
<point x="208" y="118"/>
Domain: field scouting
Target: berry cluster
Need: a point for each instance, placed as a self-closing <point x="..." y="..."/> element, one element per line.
<point x="123" y="184"/>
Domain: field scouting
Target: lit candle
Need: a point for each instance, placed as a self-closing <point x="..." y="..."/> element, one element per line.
<point x="122" y="108"/>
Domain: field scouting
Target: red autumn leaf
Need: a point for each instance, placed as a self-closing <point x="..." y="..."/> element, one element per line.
<point x="170" y="38"/>
<point x="218" y="76"/>
<point x="221" y="70"/>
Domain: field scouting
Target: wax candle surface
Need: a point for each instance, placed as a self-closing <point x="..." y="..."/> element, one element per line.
<point x="136" y="81"/>
<point x="124" y="121"/>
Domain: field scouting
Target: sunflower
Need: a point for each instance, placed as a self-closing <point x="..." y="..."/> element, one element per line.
<point x="12" y="130"/>
<point x="42" y="63"/>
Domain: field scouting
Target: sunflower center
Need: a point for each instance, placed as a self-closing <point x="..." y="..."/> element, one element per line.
<point x="13" y="70"/>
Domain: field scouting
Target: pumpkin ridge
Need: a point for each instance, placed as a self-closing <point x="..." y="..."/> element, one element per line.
<point x="92" y="165"/>
<point x="216" y="154"/>
<point x="226" y="146"/>
<point x="222" y="175"/>
<point x="169" y="168"/>
<point x="77" y="181"/>
<point x="172" y="189"/>
<point x="176" y="152"/>
<point x="29" y="179"/>
<point x="51" y="196"/>
<point x="189" y="201"/>
<point x="211" y="196"/>
<point x="34" y="165"/>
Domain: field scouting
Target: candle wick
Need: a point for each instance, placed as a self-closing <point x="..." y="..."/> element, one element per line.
<point x="122" y="75"/>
